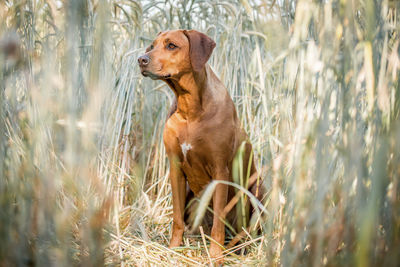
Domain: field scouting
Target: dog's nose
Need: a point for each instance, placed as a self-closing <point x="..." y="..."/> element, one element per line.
<point x="143" y="60"/>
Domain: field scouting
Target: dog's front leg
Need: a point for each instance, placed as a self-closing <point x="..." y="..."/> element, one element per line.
<point x="219" y="202"/>
<point x="178" y="185"/>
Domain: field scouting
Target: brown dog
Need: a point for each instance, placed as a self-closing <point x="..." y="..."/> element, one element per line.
<point x="202" y="133"/>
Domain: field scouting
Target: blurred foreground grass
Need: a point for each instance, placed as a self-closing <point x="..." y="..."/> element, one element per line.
<point x="84" y="176"/>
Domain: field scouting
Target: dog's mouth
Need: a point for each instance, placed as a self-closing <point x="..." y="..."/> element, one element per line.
<point x="154" y="76"/>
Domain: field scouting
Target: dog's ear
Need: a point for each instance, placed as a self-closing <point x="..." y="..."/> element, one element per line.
<point x="201" y="47"/>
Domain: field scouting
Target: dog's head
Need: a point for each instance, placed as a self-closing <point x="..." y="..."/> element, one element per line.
<point x="174" y="53"/>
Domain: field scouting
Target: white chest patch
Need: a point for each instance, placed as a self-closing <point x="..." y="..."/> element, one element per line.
<point x="185" y="148"/>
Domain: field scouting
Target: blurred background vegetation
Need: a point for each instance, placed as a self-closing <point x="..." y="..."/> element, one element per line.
<point x="84" y="175"/>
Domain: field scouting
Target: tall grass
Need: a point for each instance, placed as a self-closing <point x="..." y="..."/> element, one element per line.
<point x="84" y="172"/>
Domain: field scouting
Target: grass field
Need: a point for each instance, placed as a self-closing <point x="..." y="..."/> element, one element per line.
<point x="84" y="175"/>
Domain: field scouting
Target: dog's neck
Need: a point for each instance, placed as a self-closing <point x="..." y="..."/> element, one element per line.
<point x="189" y="91"/>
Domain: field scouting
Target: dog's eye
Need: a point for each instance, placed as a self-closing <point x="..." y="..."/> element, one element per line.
<point x="149" y="48"/>
<point x="171" y="46"/>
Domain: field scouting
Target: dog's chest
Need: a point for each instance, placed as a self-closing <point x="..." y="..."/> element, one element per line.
<point x="199" y="142"/>
<point x="189" y="148"/>
<point x="193" y="147"/>
<point x="195" y="164"/>
<point x="185" y="147"/>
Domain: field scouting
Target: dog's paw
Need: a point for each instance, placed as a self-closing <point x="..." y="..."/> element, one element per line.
<point x="175" y="242"/>
<point x="216" y="254"/>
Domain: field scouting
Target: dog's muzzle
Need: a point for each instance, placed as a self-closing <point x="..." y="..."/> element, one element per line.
<point x="143" y="61"/>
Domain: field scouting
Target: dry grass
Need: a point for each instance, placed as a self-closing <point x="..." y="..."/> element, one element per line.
<point x="84" y="172"/>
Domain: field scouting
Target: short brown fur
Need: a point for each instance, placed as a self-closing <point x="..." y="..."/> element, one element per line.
<point x="202" y="133"/>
